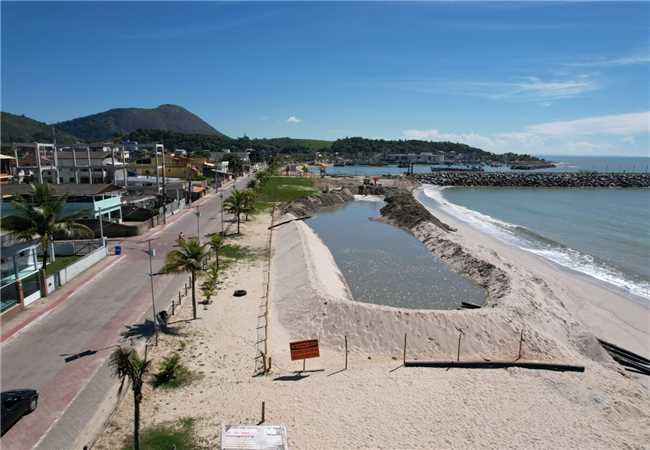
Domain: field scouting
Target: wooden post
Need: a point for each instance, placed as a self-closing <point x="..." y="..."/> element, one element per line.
<point x="521" y="340"/>
<point x="173" y="303"/>
<point x="186" y="290"/>
<point x="460" y="335"/>
<point x="404" y="356"/>
<point x="346" y="352"/>
<point x="179" y="298"/>
<point x="263" y="412"/>
<point x="268" y="369"/>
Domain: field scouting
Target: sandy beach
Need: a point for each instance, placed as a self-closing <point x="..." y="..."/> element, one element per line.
<point x="376" y="403"/>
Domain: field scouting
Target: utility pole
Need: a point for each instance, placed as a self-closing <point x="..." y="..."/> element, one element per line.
<point x="124" y="170"/>
<point x="198" y="224"/>
<point x="223" y="231"/>
<point x="164" y="192"/>
<point x="101" y="226"/>
<point x="152" y="252"/>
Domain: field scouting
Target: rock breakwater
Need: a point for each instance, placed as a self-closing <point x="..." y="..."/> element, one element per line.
<point x="537" y="179"/>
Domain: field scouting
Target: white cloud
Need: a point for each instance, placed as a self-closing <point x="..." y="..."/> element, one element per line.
<point x="532" y="88"/>
<point x="554" y="137"/>
<point x="627" y="124"/>
<point x="609" y="62"/>
<point x="523" y="89"/>
<point x="294" y="119"/>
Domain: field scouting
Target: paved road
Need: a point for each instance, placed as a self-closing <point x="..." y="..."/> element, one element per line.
<point x="92" y="318"/>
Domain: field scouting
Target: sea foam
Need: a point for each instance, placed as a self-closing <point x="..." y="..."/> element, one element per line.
<point x="533" y="242"/>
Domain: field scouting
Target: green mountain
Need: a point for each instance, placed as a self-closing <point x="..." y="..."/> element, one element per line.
<point x="122" y="121"/>
<point x="14" y="128"/>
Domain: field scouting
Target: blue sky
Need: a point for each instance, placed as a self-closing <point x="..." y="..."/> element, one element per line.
<point x="561" y="78"/>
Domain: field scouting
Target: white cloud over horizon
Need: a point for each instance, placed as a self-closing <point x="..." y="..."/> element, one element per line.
<point x="590" y="135"/>
<point x="531" y="88"/>
<point x="611" y="62"/>
<point x="294" y="119"/>
<point x="625" y="124"/>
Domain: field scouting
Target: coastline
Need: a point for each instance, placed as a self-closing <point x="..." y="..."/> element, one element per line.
<point x="609" y="312"/>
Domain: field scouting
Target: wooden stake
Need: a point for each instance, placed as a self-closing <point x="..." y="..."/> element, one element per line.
<point x="460" y="335"/>
<point x="263" y="412"/>
<point x="173" y="302"/>
<point x="179" y="297"/>
<point x="268" y="369"/>
<point x="404" y="357"/>
<point x="521" y="340"/>
<point x="346" y="353"/>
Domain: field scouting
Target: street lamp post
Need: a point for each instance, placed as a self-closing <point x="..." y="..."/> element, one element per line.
<point x="223" y="231"/>
<point x="198" y="224"/>
<point x="152" y="252"/>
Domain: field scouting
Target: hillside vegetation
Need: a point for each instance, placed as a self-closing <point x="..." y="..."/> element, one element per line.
<point x="121" y="121"/>
<point x="14" y="128"/>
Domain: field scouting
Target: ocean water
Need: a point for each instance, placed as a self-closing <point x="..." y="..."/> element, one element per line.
<point x="386" y="265"/>
<point x="564" y="164"/>
<point x="602" y="233"/>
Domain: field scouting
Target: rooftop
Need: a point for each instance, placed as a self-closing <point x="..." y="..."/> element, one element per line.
<point x="77" y="190"/>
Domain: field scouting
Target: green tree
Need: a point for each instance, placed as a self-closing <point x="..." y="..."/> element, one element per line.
<point x="216" y="244"/>
<point x="209" y="286"/>
<point x="126" y="363"/>
<point x="189" y="257"/>
<point x="40" y="217"/>
<point x="249" y="202"/>
<point x="235" y="204"/>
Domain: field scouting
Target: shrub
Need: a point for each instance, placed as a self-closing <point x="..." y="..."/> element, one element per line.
<point x="171" y="373"/>
<point x="179" y="436"/>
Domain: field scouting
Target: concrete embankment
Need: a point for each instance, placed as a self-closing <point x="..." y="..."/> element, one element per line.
<point x="537" y="179"/>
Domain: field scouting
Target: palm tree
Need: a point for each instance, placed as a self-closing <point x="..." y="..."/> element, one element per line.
<point x="209" y="286"/>
<point x="126" y="363"/>
<point x="216" y="244"/>
<point x="189" y="257"/>
<point x="41" y="217"/>
<point x="249" y="202"/>
<point x="235" y="204"/>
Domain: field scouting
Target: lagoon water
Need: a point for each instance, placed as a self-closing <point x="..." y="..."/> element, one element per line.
<point x="603" y="233"/>
<point x="386" y="265"/>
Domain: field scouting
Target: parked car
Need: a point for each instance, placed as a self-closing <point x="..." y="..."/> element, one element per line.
<point x="16" y="404"/>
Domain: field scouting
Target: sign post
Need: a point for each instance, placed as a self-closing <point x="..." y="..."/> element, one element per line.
<point x="303" y="350"/>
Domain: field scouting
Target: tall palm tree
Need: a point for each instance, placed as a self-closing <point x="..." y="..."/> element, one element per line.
<point x="216" y="244"/>
<point x="235" y="204"/>
<point x="189" y="257"/>
<point x="126" y="363"/>
<point x="41" y="217"/>
<point x="249" y="202"/>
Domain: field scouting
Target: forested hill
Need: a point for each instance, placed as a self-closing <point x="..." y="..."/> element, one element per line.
<point x="15" y="128"/>
<point x="358" y="144"/>
<point x="121" y="121"/>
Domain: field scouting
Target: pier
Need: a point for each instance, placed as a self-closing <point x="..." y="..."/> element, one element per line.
<point x="538" y="179"/>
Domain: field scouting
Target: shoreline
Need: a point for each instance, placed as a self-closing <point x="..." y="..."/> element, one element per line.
<point x="586" y="275"/>
<point x="610" y="312"/>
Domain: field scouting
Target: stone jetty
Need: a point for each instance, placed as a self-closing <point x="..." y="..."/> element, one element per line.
<point x="537" y="179"/>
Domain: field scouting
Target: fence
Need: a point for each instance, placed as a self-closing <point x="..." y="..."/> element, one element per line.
<point x="76" y="247"/>
<point x="262" y="364"/>
<point x="66" y="274"/>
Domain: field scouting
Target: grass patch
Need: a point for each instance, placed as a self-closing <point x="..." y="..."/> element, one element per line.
<point x="178" y="435"/>
<point x="284" y="189"/>
<point x="61" y="263"/>
<point x="235" y="251"/>
<point x="172" y="374"/>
